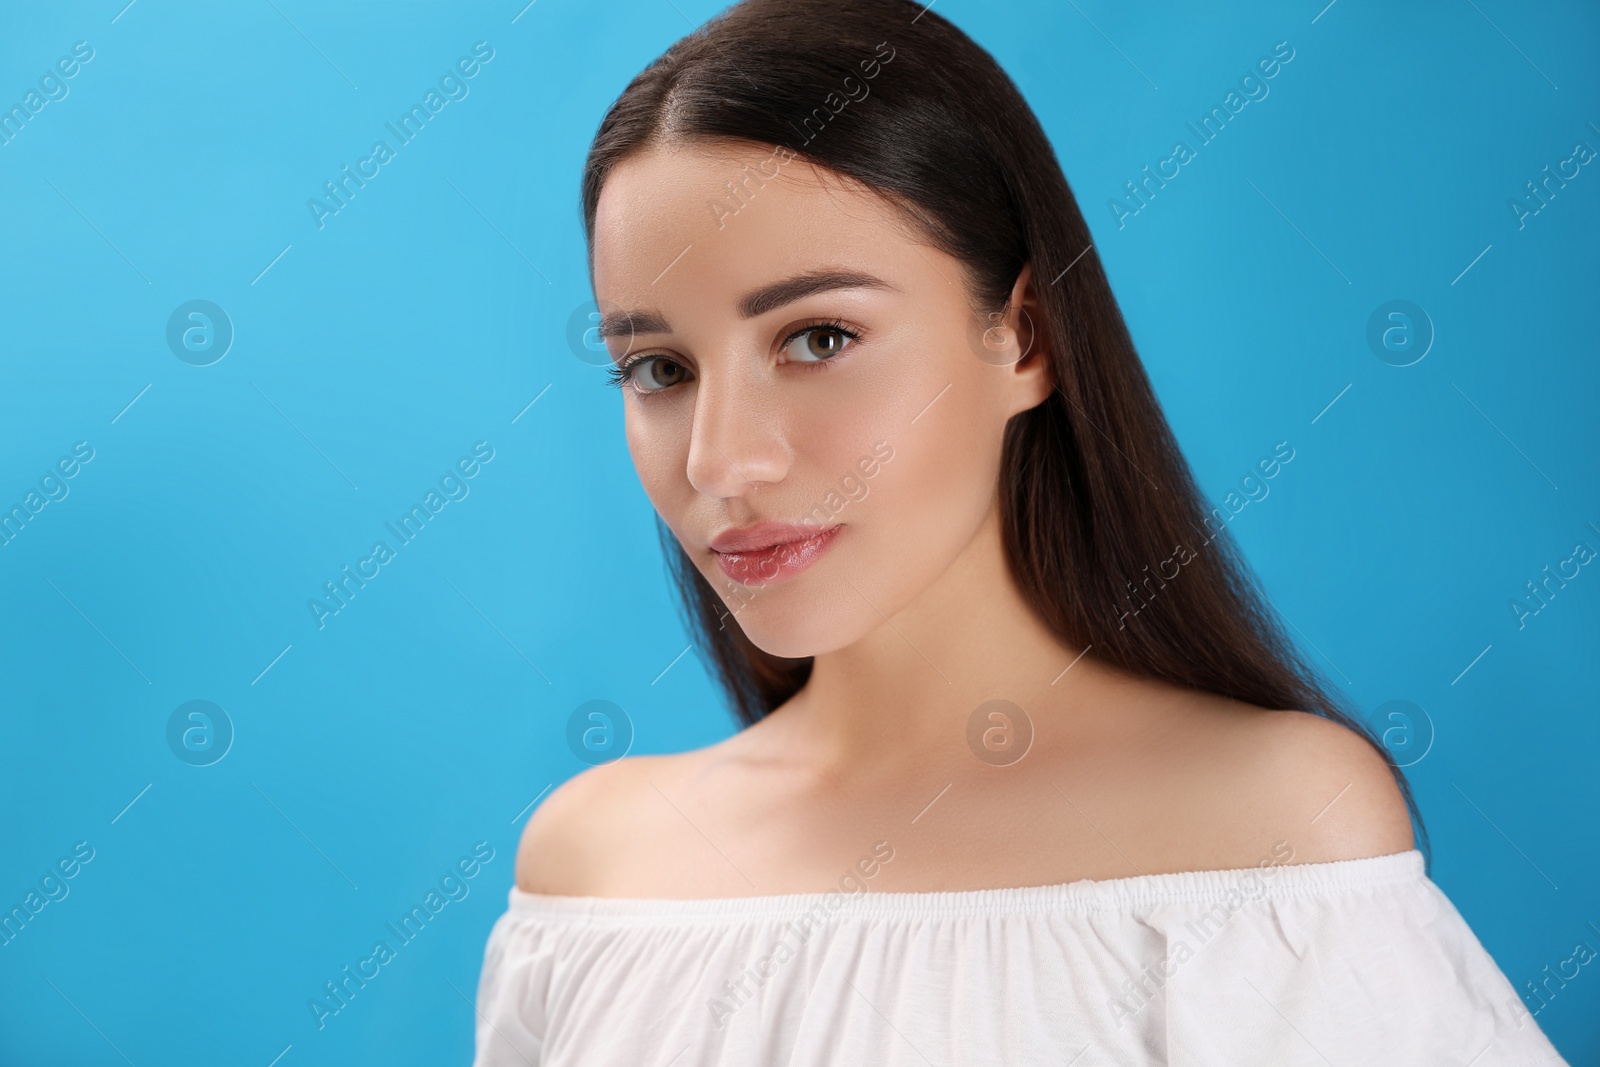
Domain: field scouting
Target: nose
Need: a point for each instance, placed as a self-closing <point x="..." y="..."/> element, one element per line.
<point x="736" y="442"/>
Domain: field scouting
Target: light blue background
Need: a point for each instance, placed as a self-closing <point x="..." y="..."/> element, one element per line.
<point x="430" y="312"/>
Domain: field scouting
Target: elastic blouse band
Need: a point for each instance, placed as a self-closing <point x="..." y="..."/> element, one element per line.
<point x="1246" y="883"/>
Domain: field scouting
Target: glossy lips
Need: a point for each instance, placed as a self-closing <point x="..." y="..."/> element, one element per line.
<point x="771" y="551"/>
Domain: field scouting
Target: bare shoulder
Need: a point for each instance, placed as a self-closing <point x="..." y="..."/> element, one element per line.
<point x="589" y="817"/>
<point x="1324" y="787"/>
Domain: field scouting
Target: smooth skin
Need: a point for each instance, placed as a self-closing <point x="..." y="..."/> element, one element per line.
<point x="912" y="615"/>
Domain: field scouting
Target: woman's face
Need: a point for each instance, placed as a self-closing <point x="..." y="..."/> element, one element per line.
<point x="866" y="406"/>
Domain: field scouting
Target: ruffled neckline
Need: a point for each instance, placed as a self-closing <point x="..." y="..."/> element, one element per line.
<point x="1244" y="883"/>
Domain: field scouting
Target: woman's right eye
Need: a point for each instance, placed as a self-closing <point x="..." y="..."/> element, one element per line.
<point x="654" y="373"/>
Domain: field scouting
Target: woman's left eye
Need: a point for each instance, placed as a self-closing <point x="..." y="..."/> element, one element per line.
<point x="816" y="344"/>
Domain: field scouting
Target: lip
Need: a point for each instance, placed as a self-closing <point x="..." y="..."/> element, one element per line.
<point x="771" y="551"/>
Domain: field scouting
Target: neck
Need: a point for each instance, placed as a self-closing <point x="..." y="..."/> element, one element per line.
<point x="903" y="694"/>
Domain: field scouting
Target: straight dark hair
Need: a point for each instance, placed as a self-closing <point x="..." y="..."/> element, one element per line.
<point x="1097" y="500"/>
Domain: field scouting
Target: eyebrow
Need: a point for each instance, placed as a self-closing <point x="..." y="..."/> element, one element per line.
<point x="757" y="302"/>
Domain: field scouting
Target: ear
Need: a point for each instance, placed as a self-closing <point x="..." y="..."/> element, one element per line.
<point x="1026" y="344"/>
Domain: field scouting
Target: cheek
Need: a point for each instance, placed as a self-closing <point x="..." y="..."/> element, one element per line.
<point x="884" y="396"/>
<point x="925" y="503"/>
<point x="828" y="432"/>
<point x="942" y="480"/>
<point x="659" y="448"/>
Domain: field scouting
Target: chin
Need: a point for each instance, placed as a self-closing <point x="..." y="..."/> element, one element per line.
<point x="799" y="630"/>
<point x="804" y="615"/>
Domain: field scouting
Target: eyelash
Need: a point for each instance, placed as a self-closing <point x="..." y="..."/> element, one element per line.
<point x="621" y="375"/>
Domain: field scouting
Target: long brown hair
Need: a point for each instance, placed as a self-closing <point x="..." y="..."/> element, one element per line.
<point x="1098" y="503"/>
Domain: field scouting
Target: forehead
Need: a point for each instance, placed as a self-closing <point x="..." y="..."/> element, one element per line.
<point x="704" y="221"/>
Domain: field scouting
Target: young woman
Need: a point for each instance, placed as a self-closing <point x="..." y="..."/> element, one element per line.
<point x="1029" y="772"/>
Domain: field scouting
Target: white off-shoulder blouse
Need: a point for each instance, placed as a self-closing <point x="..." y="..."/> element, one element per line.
<point x="1354" y="962"/>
